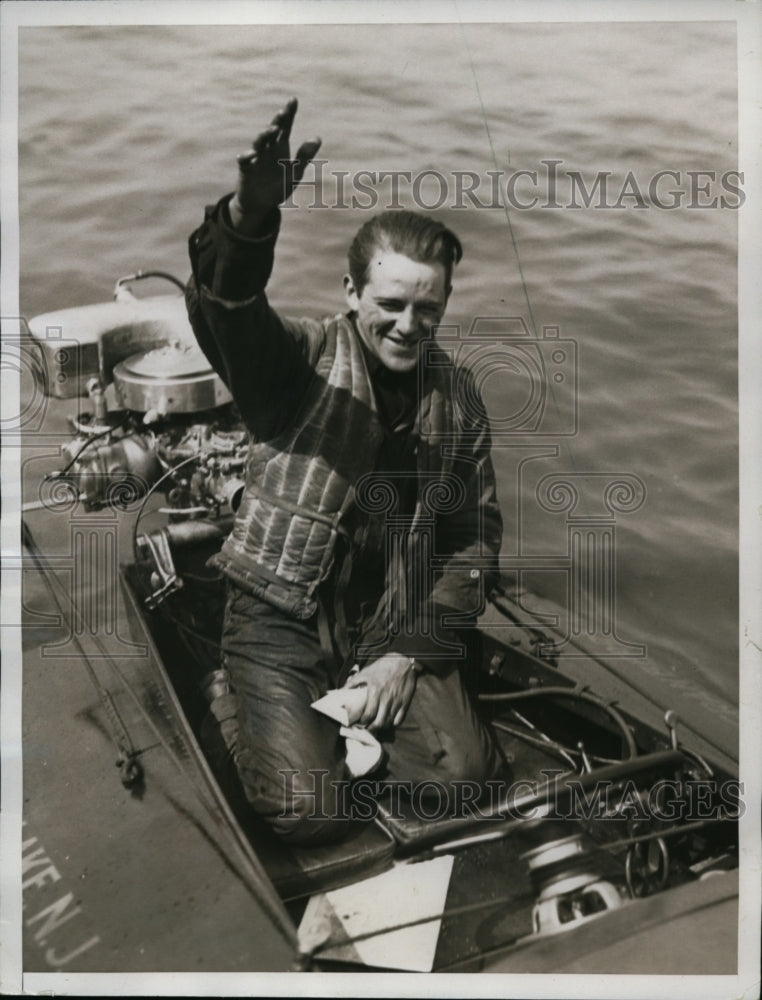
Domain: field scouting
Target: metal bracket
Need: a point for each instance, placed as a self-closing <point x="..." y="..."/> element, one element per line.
<point x="164" y="576"/>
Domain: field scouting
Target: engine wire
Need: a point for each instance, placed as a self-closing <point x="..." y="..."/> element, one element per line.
<point x="90" y="440"/>
<point x="623" y="678"/>
<point x="571" y="692"/>
<point x="545" y="743"/>
<point x="170" y="472"/>
<point x="192" y="632"/>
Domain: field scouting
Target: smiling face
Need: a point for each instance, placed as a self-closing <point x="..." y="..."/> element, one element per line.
<point x="400" y="303"/>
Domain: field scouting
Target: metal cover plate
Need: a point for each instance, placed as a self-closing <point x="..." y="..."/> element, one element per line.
<point x="170" y="379"/>
<point x="174" y="360"/>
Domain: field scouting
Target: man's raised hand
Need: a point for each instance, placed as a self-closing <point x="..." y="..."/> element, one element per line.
<point x="266" y="173"/>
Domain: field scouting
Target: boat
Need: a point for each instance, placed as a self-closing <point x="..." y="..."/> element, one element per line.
<point x="614" y="851"/>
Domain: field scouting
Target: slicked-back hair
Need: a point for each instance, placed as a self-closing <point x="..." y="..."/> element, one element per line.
<point x="400" y="231"/>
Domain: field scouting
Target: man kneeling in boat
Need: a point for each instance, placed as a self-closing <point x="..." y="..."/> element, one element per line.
<point x="369" y="515"/>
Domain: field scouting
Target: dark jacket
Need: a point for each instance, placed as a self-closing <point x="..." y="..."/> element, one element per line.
<point x="306" y="395"/>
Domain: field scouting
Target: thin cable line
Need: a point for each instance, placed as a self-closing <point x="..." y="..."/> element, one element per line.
<point x="494" y="161"/>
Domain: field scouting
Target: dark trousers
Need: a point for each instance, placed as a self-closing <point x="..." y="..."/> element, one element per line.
<point x="287" y="754"/>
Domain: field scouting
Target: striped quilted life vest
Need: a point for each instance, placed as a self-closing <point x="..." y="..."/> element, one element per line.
<point x="300" y="485"/>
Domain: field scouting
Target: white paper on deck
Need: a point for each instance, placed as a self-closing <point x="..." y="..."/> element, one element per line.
<point x="408" y="892"/>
